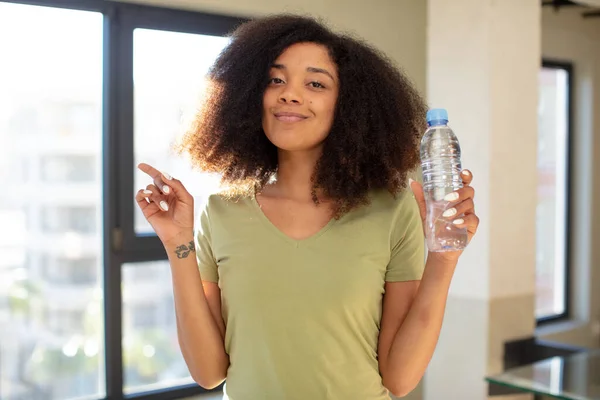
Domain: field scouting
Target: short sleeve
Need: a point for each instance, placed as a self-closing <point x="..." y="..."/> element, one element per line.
<point x="407" y="260"/>
<point x="204" y="254"/>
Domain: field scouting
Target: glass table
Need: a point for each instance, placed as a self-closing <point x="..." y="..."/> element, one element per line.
<point x="574" y="377"/>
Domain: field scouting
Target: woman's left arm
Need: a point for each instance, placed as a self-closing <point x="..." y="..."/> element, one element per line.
<point x="413" y="311"/>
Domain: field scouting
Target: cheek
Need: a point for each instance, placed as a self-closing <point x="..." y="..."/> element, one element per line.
<point x="325" y="108"/>
<point x="266" y="100"/>
<point x="270" y="98"/>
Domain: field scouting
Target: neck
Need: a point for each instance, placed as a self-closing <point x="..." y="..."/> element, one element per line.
<point x="294" y="174"/>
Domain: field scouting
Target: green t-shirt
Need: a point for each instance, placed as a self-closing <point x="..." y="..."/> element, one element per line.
<point x="303" y="316"/>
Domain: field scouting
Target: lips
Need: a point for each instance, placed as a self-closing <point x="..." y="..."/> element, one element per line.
<point x="289" y="117"/>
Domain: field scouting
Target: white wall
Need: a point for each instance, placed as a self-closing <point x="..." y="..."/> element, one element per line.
<point x="483" y="65"/>
<point x="566" y="36"/>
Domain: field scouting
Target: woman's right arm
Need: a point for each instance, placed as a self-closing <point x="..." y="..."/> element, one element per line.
<point x="169" y="208"/>
<point x="200" y="327"/>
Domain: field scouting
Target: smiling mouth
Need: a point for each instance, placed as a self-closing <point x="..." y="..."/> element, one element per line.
<point x="289" y="117"/>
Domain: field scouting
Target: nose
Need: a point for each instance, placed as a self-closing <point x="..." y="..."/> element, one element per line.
<point x="290" y="94"/>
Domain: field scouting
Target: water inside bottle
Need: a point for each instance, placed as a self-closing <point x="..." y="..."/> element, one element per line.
<point x="442" y="234"/>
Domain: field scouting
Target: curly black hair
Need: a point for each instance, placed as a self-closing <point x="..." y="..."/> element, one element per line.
<point x="374" y="139"/>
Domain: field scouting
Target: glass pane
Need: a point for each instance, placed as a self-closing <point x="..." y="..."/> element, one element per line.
<point x="151" y="352"/>
<point x="51" y="325"/>
<point x="571" y="377"/>
<point x="169" y="76"/>
<point x="552" y="192"/>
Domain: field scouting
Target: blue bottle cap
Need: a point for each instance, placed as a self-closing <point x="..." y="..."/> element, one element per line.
<point x="437" y="114"/>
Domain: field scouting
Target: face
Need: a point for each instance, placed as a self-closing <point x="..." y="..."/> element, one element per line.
<point x="299" y="101"/>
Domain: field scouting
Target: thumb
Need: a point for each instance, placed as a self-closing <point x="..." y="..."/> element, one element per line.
<point x="417" y="190"/>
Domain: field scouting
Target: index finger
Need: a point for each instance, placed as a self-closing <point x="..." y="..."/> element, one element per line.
<point x="150" y="170"/>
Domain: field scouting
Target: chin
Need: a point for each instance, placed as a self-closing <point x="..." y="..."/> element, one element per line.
<point x="292" y="140"/>
<point x="293" y="146"/>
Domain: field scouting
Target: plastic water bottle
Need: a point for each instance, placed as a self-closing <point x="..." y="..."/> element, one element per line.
<point x="441" y="165"/>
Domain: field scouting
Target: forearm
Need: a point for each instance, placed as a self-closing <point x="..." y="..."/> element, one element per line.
<point x="415" y="341"/>
<point x="199" y="336"/>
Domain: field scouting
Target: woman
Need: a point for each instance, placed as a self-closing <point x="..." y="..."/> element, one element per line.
<point x="312" y="282"/>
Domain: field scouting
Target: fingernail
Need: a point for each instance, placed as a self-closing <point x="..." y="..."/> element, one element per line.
<point x="166" y="189"/>
<point x="466" y="173"/>
<point x="451" y="196"/>
<point x="167" y="176"/>
<point x="458" y="221"/>
<point x="147" y="191"/>
<point x="410" y="181"/>
<point x="164" y="205"/>
<point x="449" y="212"/>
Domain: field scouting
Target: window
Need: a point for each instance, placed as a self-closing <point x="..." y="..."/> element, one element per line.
<point x="86" y="302"/>
<point x="552" y="217"/>
<point x="167" y="81"/>
<point x="65" y="322"/>
<point x="61" y="219"/>
<point x="50" y="338"/>
<point x="83" y="270"/>
<point x="68" y="168"/>
<point x="144" y="316"/>
<point x="151" y="352"/>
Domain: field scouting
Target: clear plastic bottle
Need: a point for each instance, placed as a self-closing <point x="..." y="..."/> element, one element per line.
<point x="440" y="161"/>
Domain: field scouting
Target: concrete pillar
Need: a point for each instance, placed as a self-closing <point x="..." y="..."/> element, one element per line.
<point x="482" y="65"/>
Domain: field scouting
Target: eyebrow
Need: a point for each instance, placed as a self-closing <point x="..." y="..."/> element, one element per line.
<point x="309" y="69"/>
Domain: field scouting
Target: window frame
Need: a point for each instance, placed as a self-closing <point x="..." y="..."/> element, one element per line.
<point x="568" y="68"/>
<point x="147" y="247"/>
<point x="120" y="243"/>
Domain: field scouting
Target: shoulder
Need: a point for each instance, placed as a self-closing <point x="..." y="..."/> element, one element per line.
<point x="222" y="203"/>
<point x="397" y="214"/>
<point x="392" y="206"/>
<point x="218" y="211"/>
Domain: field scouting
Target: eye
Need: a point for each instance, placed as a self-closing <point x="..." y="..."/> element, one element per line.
<point x="275" y="80"/>
<point x="317" y="85"/>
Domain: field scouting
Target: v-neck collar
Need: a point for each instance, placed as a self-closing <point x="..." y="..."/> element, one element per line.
<point x="294" y="242"/>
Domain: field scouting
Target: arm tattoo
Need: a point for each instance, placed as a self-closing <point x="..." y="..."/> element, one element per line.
<point x="183" y="251"/>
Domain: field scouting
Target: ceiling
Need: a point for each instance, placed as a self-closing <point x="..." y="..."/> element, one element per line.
<point x="589" y="8"/>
